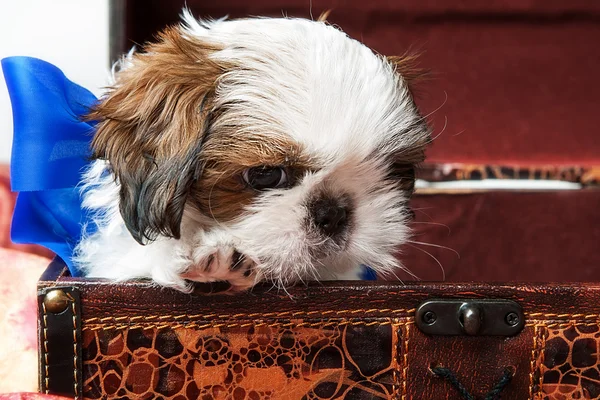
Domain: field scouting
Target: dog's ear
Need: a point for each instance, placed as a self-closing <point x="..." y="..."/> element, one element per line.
<point x="151" y="127"/>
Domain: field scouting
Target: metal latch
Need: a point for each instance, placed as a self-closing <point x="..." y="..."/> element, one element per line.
<point x="481" y="317"/>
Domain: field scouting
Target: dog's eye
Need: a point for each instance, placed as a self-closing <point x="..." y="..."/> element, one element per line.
<point x="260" y="178"/>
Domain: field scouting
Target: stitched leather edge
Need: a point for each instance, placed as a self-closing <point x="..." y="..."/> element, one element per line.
<point x="562" y="325"/>
<point x="553" y="316"/>
<point x="396" y="340"/>
<point x="60" y="341"/>
<point x="537" y="355"/>
<point x="214" y="324"/>
<point x="533" y="361"/>
<point x="44" y="381"/>
<point x="400" y="348"/>
<point x="75" y="344"/>
<point x="287" y="314"/>
<point x="542" y="355"/>
<point x="405" y="360"/>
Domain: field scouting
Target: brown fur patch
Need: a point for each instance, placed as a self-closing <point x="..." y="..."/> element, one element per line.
<point x="159" y="104"/>
<point x="151" y="128"/>
<point x="221" y="193"/>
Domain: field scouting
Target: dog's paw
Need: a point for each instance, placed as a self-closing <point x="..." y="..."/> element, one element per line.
<point x="223" y="266"/>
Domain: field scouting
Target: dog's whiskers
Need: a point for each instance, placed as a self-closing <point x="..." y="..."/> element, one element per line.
<point x="423" y="118"/>
<point x="432" y="256"/>
<point x="433" y="223"/>
<point x="313" y="270"/>
<point x="282" y="286"/>
<point x="435" y="245"/>
<point x="409" y="272"/>
<point x="299" y="276"/>
<point x="391" y="271"/>
<point x="442" y="131"/>
<point x="421" y="210"/>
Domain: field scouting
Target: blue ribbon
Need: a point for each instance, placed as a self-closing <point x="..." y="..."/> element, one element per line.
<point x="51" y="149"/>
<point x="51" y="146"/>
<point x="367" y="273"/>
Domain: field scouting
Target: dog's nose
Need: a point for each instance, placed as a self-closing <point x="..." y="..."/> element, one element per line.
<point x="331" y="218"/>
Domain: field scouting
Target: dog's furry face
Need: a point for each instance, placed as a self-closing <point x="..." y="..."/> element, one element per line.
<point x="294" y="141"/>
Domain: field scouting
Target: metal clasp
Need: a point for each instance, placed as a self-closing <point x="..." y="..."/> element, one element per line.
<point x="473" y="317"/>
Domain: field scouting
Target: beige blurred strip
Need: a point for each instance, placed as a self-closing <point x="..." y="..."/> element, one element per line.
<point x="19" y="273"/>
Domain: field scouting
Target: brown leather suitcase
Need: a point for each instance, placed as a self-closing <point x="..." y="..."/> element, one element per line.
<point x="352" y="340"/>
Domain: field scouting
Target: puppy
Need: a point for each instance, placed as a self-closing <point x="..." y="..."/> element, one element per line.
<point x="249" y="150"/>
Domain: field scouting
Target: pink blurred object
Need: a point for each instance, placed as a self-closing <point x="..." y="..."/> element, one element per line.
<point x="19" y="272"/>
<point x="18" y="319"/>
<point x="29" y="396"/>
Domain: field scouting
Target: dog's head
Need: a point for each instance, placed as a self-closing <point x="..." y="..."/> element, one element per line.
<point x="296" y="139"/>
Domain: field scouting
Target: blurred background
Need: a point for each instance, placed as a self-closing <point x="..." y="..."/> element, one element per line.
<point x="509" y="189"/>
<point x="69" y="33"/>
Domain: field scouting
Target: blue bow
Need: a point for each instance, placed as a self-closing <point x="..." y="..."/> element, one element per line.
<point x="51" y="146"/>
<point x="51" y="149"/>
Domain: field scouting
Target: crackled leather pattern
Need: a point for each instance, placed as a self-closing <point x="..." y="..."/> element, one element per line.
<point x="241" y="361"/>
<point x="448" y="172"/>
<point x="570" y="365"/>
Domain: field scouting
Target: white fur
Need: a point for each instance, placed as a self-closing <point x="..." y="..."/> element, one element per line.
<point x="308" y="81"/>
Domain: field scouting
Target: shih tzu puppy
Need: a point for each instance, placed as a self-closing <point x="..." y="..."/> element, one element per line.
<point x="249" y="150"/>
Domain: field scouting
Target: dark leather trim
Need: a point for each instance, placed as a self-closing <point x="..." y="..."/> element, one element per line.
<point x="586" y="175"/>
<point x="59" y="343"/>
<point x="56" y="270"/>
